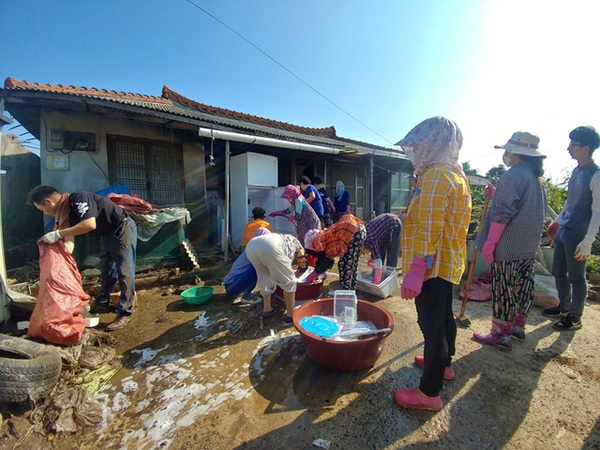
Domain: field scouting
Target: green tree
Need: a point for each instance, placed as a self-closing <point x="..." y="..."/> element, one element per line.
<point x="467" y="169"/>
<point x="495" y="173"/>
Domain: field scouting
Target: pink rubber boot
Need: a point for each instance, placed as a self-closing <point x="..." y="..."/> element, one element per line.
<point x="415" y="399"/>
<point x="499" y="336"/>
<point x="518" y="330"/>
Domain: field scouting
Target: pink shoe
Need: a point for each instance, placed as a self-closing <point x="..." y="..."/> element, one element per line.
<point x="448" y="371"/>
<point x="415" y="399"/>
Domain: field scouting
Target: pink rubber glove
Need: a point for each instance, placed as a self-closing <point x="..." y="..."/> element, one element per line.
<point x="494" y="235"/>
<point x="331" y="207"/>
<point x="291" y="219"/>
<point x="413" y="280"/>
<point x="378" y="264"/>
<point x="348" y="210"/>
<point x="552" y="229"/>
<point x="371" y="263"/>
<point x="489" y="191"/>
<point x="377" y="277"/>
<point x="276" y="213"/>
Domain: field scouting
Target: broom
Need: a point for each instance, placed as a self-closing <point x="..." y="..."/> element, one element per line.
<point x="462" y="319"/>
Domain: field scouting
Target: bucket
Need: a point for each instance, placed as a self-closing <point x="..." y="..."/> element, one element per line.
<point x="344" y="355"/>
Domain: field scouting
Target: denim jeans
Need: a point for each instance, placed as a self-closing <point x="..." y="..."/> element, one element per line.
<point x="117" y="264"/>
<point x="436" y="320"/>
<point x="569" y="274"/>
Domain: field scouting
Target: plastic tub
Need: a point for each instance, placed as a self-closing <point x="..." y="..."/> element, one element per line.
<point x="305" y="291"/>
<point x="197" y="295"/>
<point x="344" y="355"/>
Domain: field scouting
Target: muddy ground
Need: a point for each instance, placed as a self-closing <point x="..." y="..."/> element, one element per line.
<point x="207" y="377"/>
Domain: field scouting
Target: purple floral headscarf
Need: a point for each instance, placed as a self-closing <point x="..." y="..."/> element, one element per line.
<point x="291" y="193"/>
<point x="435" y="140"/>
<point x="310" y="237"/>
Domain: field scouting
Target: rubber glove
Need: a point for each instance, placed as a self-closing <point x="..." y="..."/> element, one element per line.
<point x="378" y="271"/>
<point x="552" y="229"/>
<point x="50" y="238"/>
<point x="413" y="280"/>
<point x="348" y="210"/>
<point x="331" y="207"/>
<point x="371" y="263"/>
<point x="489" y="191"/>
<point x="291" y="219"/>
<point x="583" y="250"/>
<point x="494" y="235"/>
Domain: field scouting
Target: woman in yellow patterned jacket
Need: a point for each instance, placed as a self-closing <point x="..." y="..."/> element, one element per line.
<point x="434" y="250"/>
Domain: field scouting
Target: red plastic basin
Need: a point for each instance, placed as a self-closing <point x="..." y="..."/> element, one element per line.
<point x="347" y="355"/>
<point x="305" y="291"/>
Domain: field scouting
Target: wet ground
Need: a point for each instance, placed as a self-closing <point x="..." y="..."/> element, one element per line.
<point x="208" y="376"/>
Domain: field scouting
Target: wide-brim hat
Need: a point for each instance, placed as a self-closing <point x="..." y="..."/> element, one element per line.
<point x="523" y="143"/>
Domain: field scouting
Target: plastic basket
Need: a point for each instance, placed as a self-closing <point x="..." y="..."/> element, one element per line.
<point x="197" y="295"/>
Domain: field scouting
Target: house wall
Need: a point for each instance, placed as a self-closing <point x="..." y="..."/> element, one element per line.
<point x="81" y="170"/>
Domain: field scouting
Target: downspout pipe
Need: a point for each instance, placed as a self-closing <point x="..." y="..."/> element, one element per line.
<point x="227" y="201"/>
<point x="269" y="142"/>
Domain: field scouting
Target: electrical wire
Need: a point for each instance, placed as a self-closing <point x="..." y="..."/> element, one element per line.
<point x="289" y="71"/>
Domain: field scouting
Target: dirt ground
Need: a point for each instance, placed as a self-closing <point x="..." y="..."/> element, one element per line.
<point x="207" y="377"/>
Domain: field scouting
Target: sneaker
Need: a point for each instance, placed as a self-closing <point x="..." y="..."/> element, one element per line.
<point x="415" y="399"/>
<point x="518" y="333"/>
<point x="494" y="338"/>
<point x="448" y="371"/>
<point x="251" y="299"/>
<point x="554" y="312"/>
<point x="100" y="308"/>
<point x="119" y="322"/>
<point x="569" y="322"/>
<point x="287" y="321"/>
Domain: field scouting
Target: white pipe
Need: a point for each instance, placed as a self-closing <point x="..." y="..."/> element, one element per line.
<point x="259" y="140"/>
<point x="227" y="201"/>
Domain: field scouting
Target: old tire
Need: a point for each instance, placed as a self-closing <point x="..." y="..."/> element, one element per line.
<point x="28" y="370"/>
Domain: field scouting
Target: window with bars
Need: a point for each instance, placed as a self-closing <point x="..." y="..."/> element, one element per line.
<point x="152" y="169"/>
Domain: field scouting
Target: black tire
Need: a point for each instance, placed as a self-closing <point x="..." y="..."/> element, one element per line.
<point x="28" y="370"/>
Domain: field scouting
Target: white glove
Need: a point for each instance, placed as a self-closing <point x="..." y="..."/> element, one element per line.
<point x="50" y="238"/>
<point x="583" y="250"/>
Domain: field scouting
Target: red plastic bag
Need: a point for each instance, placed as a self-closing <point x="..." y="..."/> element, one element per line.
<point x="57" y="317"/>
<point x="130" y="202"/>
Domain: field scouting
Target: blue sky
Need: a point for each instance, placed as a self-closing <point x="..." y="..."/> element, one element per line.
<point x="379" y="67"/>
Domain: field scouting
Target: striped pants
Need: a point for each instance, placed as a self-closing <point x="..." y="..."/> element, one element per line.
<point x="512" y="288"/>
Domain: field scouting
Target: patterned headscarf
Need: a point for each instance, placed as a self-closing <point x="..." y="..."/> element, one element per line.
<point x="291" y="193"/>
<point x="309" y="238"/>
<point x="339" y="189"/>
<point x="435" y="140"/>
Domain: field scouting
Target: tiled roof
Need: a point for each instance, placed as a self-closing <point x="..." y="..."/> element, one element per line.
<point x="184" y="101"/>
<point x="12" y="83"/>
<point x="171" y="102"/>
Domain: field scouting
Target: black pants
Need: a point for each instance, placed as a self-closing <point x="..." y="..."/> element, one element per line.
<point x="436" y="320"/>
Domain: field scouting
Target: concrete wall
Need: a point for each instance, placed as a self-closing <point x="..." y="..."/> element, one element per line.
<point x="89" y="170"/>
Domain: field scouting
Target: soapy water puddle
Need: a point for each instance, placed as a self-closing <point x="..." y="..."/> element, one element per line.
<point x="167" y="387"/>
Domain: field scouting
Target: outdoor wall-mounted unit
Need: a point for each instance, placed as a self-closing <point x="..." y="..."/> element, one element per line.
<point x="68" y="141"/>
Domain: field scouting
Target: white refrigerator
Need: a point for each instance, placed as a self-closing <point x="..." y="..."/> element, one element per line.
<point x="253" y="182"/>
